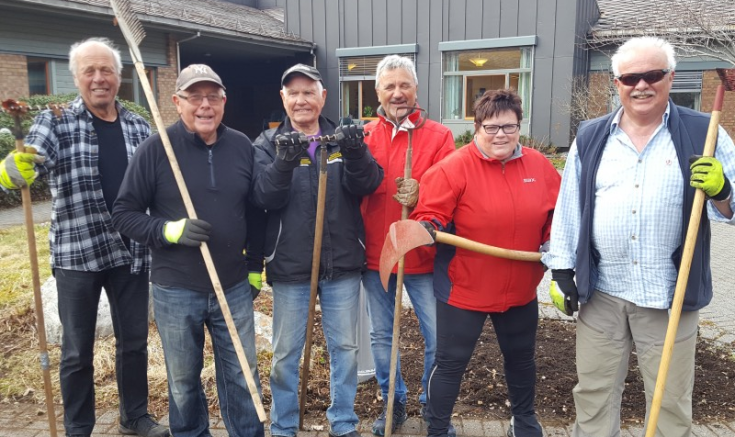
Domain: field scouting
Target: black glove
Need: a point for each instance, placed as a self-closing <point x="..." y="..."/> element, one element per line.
<point x="350" y="141"/>
<point x="289" y="150"/>
<point x="431" y="230"/>
<point x="563" y="280"/>
<point x="187" y="232"/>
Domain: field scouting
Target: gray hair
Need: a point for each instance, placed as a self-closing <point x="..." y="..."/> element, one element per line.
<point x="393" y="62"/>
<point x="643" y="42"/>
<point x="100" y="41"/>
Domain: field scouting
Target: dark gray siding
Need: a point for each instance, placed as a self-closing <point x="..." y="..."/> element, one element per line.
<point x="52" y="36"/>
<point x="560" y="26"/>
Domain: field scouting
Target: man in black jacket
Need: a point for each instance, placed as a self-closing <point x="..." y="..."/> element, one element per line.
<point x="217" y="164"/>
<point x="286" y="185"/>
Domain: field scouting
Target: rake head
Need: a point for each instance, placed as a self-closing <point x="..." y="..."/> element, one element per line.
<point x="130" y="25"/>
<point x="727" y="76"/>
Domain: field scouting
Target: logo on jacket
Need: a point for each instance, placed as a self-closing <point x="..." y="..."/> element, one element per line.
<point x="334" y="157"/>
<point x="528" y="180"/>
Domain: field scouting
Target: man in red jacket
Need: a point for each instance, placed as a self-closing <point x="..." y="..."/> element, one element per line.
<point x="396" y="85"/>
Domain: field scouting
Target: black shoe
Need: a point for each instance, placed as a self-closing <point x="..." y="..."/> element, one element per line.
<point x="144" y="426"/>
<point x="352" y="433"/>
<point x="451" y="432"/>
<point x="399" y="416"/>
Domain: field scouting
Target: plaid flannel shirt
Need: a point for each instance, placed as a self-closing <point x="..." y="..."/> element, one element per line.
<point x="81" y="234"/>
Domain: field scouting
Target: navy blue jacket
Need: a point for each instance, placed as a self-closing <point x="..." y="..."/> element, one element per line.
<point x="688" y="130"/>
<point x="290" y="198"/>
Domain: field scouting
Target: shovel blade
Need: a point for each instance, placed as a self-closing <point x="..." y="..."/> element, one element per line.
<point x="403" y="236"/>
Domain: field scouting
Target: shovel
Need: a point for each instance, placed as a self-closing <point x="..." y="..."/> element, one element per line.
<point x="406" y="235"/>
<point x="727" y="76"/>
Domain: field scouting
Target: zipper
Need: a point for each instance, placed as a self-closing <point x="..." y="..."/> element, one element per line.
<point x="211" y="168"/>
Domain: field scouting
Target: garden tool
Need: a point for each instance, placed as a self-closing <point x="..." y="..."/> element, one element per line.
<point x="727" y="77"/>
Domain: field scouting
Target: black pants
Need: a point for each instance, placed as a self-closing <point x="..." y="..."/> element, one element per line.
<point x="457" y="333"/>
<point x="79" y="295"/>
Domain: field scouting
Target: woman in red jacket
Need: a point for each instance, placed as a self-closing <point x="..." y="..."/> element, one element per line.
<point x="496" y="192"/>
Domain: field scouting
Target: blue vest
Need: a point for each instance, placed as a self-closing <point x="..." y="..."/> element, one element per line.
<point x="688" y="130"/>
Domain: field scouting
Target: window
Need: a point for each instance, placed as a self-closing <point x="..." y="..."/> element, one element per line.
<point x="687" y="89"/>
<point x="357" y="76"/>
<point x="38" y="82"/>
<point x="130" y="87"/>
<point x="469" y="73"/>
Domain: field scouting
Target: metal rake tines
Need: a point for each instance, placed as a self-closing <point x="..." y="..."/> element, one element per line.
<point x="130" y="25"/>
<point x="14" y="107"/>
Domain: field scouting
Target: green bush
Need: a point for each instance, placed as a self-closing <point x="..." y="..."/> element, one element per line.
<point x="463" y="139"/>
<point x="39" y="189"/>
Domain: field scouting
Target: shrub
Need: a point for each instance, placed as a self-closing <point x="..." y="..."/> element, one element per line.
<point x="39" y="189"/>
<point x="464" y="138"/>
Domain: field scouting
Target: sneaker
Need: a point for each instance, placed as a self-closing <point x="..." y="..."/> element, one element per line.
<point x="144" y="426"/>
<point x="399" y="416"/>
<point x="451" y="431"/>
<point x="511" y="432"/>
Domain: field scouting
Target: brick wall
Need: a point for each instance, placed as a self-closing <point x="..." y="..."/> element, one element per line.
<point x="710" y="80"/>
<point x="13" y="76"/>
<point x="167" y="84"/>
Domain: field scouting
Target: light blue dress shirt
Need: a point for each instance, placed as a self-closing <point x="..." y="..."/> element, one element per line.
<point x="638" y="214"/>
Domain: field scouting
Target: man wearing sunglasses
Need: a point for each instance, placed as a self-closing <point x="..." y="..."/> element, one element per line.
<point x="620" y="224"/>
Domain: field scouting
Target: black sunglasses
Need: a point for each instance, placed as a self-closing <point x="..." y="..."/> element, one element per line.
<point x="651" y="77"/>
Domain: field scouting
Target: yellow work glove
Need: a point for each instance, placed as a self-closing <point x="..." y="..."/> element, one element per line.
<point x="17" y="170"/>
<point x="708" y="176"/>
<point x="187" y="232"/>
<point x="256" y="283"/>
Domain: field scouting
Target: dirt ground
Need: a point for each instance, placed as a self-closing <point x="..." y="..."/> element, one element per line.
<point x="484" y="395"/>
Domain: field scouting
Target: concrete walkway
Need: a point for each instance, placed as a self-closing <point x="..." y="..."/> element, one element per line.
<point x="717" y="323"/>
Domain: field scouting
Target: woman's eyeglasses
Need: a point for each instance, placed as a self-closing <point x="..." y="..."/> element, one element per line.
<point x="492" y="129"/>
<point x="651" y="77"/>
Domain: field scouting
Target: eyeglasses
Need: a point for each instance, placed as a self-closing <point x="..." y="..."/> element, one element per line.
<point x="651" y="77"/>
<point x="197" y="99"/>
<point x="492" y="129"/>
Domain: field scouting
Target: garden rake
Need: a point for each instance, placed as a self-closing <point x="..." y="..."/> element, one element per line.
<point x="134" y="33"/>
<point x="727" y="76"/>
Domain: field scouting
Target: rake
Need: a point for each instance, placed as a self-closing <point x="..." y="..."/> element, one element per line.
<point x="727" y="76"/>
<point x="134" y="33"/>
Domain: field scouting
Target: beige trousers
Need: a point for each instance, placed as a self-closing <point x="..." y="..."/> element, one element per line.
<point x="606" y="330"/>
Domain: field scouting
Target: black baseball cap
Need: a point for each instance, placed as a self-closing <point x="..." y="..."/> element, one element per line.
<point x="310" y="72"/>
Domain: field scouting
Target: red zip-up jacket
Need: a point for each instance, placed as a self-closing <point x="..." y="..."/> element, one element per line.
<point x="430" y="144"/>
<point x="508" y="205"/>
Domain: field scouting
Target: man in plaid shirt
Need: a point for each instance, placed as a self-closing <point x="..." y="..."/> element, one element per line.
<point x="85" y="152"/>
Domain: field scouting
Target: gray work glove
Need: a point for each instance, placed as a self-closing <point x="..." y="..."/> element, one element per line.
<point x="350" y="141"/>
<point x="187" y="232"/>
<point x="408" y="192"/>
<point x="290" y="148"/>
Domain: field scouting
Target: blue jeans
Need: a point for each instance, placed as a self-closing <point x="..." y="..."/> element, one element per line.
<point x="381" y="307"/>
<point x="181" y="316"/>
<point x="338" y="300"/>
<point x="79" y="295"/>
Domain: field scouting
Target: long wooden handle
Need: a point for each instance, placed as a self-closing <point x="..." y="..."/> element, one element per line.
<point x="321" y="201"/>
<point x="33" y="256"/>
<point x="219" y="292"/>
<point x="684" y="268"/>
<point x="398" y="307"/>
<point x="464" y="243"/>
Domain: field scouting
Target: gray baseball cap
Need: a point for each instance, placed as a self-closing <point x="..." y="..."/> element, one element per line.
<point x="310" y="72"/>
<point x="196" y="73"/>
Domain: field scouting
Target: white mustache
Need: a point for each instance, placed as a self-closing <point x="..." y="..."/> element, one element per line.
<point x="641" y="94"/>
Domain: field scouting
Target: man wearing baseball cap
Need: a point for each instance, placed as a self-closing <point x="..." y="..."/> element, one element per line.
<point x="217" y="164"/>
<point x="286" y="185"/>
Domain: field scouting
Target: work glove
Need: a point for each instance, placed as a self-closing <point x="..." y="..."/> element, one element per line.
<point x="349" y="139"/>
<point x="187" y="232"/>
<point x="408" y="192"/>
<point x="290" y="148"/>
<point x="543" y="249"/>
<point x="256" y="283"/>
<point x="563" y="291"/>
<point x="17" y="169"/>
<point x="431" y="229"/>
<point x="707" y="175"/>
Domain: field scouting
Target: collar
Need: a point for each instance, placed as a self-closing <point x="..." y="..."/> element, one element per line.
<point x="619" y="114"/>
<point x="517" y="153"/>
<point x="196" y="139"/>
<point x="77" y="107"/>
